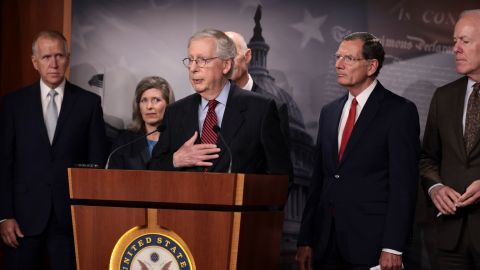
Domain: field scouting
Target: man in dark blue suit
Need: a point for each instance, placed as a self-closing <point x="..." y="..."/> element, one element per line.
<point x="360" y="209"/>
<point x="44" y="129"/>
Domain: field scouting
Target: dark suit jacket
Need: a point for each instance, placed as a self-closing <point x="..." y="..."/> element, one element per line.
<point x="250" y="127"/>
<point x="33" y="172"/>
<point x="281" y="107"/>
<point x="132" y="157"/>
<point x="371" y="192"/>
<point x="444" y="160"/>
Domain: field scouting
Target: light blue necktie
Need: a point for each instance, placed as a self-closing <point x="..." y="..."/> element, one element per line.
<point x="51" y="115"/>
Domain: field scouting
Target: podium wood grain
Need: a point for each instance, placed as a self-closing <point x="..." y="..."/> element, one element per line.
<point x="229" y="221"/>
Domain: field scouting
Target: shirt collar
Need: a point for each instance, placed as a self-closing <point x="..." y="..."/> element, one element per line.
<point x="45" y="89"/>
<point x="363" y="96"/>
<point x="221" y="98"/>
<point x="249" y="84"/>
<point x="470" y="85"/>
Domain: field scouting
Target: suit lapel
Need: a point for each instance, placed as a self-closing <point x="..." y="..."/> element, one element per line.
<point x="459" y="105"/>
<point x="365" y="118"/>
<point x="69" y="99"/>
<point x="190" y="120"/>
<point x="233" y="116"/>
<point x="233" y="119"/>
<point x="458" y="121"/>
<point x="255" y="87"/>
<point x="38" y="119"/>
<point x="333" y="127"/>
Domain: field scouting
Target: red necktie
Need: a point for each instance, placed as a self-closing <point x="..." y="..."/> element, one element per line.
<point x="208" y="134"/>
<point x="347" y="131"/>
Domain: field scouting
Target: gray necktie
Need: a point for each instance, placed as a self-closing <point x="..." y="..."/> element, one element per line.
<point x="472" y="119"/>
<point x="51" y="115"/>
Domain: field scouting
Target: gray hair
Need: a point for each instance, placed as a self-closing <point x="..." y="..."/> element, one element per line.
<point x="145" y="84"/>
<point x="49" y="34"/>
<point x="226" y="49"/>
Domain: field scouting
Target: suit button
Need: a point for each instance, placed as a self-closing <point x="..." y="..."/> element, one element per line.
<point x="336" y="176"/>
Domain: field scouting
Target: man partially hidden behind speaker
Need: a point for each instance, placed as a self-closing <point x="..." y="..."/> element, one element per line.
<point x="44" y="129"/>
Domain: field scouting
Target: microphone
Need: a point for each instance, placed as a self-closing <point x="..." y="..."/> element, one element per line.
<point x="160" y="128"/>
<point x="216" y="129"/>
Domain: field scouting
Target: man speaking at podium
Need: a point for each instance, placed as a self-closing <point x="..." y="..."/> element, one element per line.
<point x="220" y="128"/>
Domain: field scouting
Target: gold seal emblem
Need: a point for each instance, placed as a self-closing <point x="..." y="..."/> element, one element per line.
<point x="151" y="247"/>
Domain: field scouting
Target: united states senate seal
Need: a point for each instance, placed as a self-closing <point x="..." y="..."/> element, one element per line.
<point x="151" y="248"/>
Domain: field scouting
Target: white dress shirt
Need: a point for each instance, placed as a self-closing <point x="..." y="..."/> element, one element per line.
<point x="249" y="84"/>
<point x="44" y="90"/>
<point x="361" y="99"/>
<point x="219" y="109"/>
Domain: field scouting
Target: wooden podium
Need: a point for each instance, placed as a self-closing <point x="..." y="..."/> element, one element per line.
<point x="229" y="221"/>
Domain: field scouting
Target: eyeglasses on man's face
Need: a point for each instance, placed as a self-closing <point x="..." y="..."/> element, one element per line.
<point x="348" y="59"/>
<point x="200" y="62"/>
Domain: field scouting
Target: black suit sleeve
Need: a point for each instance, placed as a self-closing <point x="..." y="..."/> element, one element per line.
<point x="117" y="160"/>
<point x="403" y="155"/>
<point x="431" y="149"/>
<point x="96" y="135"/>
<point x="7" y="142"/>
<point x="283" y="114"/>
<point x="274" y="143"/>
<point x="162" y="154"/>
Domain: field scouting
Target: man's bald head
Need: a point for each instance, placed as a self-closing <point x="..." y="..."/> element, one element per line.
<point x="242" y="60"/>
